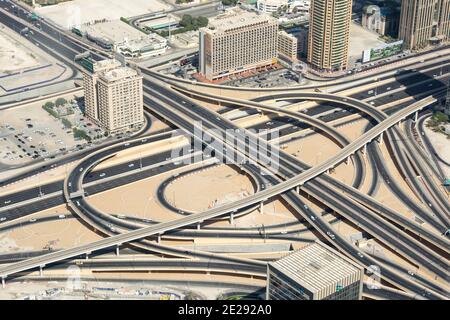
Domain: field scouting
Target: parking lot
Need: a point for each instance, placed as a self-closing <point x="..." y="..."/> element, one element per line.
<point x="187" y="69"/>
<point x="31" y="133"/>
<point x="270" y="79"/>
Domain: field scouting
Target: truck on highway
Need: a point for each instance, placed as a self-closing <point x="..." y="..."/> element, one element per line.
<point x="24" y="30"/>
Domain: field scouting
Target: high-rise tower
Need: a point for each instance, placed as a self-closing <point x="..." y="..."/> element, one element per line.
<point x="329" y="33"/>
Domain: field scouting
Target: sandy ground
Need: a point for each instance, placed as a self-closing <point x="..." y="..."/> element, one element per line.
<point x="139" y="199"/>
<point x="209" y="188"/>
<point x="441" y="144"/>
<point x="62" y="233"/>
<point x="78" y="12"/>
<point x="33" y="77"/>
<point x="13" y="56"/>
<point x="34" y="289"/>
<point x="18" y="54"/>
<point x="362" y="39"/>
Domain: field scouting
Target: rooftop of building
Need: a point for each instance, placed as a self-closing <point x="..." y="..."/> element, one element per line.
<point x="118" y="74"/>
<point x="287" y="35"/>
<point x="316" y="266"/>
<point x="106" y="64"/>
<point x="236" y="18"/>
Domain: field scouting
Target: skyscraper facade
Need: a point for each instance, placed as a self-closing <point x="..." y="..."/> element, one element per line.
<point x="424" y="23"/>
<point x="329" y="34"/>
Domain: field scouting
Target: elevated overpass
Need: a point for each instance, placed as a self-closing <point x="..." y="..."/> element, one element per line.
<point x="215" y="212"/>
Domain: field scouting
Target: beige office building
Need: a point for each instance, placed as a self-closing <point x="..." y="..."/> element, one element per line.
<point x="329" y="32"/>
<point x="314" y="272"/>
<point x="424" y="23"/>
<point x="113" y="95"/>
<point x="287" y="46"/>
<point x="237" y="41"/>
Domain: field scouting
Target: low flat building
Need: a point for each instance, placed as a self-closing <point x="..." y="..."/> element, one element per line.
<point x="237" y="41"/>
<point x="113" y="95"/>
<point x="271" y="6"/>
<point x="315" y="272"/>
<point x="148" y="46"/>
<point x="287" y="46"/>
<point x="123" y="38"/>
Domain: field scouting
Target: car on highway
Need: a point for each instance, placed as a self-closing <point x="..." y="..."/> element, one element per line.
<point x="102" y="175"/>
<point x="61" y="216"/>
<point x="313" y="218"/>
<point x="330" y="235"/>
<point x="131" y="165"/>
<point x="32" y="220"/>
<point x="3" y="219"/>
<point x="360" y="255"/>
<point x="411" y="273"/>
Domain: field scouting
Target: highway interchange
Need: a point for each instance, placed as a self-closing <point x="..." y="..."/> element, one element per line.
<point x="167" y="101"/>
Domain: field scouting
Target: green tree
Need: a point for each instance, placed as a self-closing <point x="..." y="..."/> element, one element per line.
<point x="60" y="102"/>
<point x="81" y="134"/>
<point x="440" y="117"/>
<point x="202" y="22"/>
<point x="186" y="21"/>
<point x="48" y="105"/>
<point x="66" y="123"/>
<point x="229" y="2"/>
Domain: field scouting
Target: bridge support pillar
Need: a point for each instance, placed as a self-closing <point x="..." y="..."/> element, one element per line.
<point x="347" y="161"/>
<point x="297" y="189"/>
<point x="3" y="283"/>
<point x="117" y="250"/>
<point x="416" y="116"/>
<point x="41" y="273"/>
<point x="87" y="256"/>
<point x="261" y="207"/>
<point x="380" y="139"/>
<point x="199" y="225"/>
<point x="158" y="240"/>
<point x="231" y="218"/>
<point x="364" y="150"/>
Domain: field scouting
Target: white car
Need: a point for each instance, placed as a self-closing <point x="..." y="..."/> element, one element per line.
<point x="2" y="219"/>
<point x="61" y="216"/>
<point x="313" y="218"/>
<point x="102" y="175"/>
<point x="360" y="255"/>
<point x="32" y="220"/>
<point x="411" y="273"/>
<point x="131" y="165"/>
